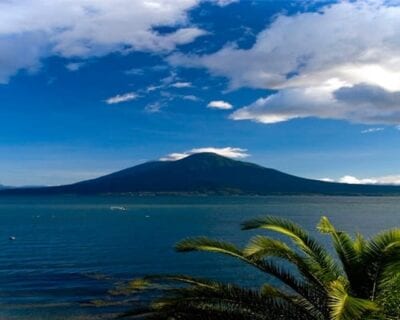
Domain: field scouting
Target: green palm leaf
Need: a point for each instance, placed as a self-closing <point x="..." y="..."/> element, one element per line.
<point x="345" y="307"/>
<point x="218" y="301"/>
<point x="314" y="286"/>
<point x="269" y="267"/>
<point x="328" y="269"/>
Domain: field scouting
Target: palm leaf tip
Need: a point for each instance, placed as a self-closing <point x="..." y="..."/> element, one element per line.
<point x="263" y="222"/>
<point x="251" y="224"/>
<point x="261" y="246"/>
<point x="325" y="226"/>
<point x="206" y="244"/>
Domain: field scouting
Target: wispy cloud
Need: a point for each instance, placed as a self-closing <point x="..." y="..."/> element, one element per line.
<point x="119" y="98"/>
<point x="145" y="69"/>
<point x="371" y="130"/>
<point x="223" y="3"/>
<point x="154" y="107"/>
<point x="74" y="66"/>
<point x="153" y="88"/>
<point x="219" y="104"/>
<point x="134" y="72"/>
<point x="172" y="80"/>
<point x="190" y="98"/>
<point x="181" y="85"/>
<point x="384" y="180"/>
<point x="230" y="152"/>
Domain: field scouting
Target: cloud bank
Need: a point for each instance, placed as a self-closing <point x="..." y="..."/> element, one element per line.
<point x="230" y="152"/>
<point x="342" y="62"/>
<point x="31" y="30"/>
<point x="385" y="180"/>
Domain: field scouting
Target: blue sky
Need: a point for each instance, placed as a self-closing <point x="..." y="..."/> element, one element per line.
<point x="88" y="87"/>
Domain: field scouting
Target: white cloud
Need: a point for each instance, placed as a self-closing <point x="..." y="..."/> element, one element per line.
<point x="342" y="62"/>
<point x="20" y="52"/>
<point x="219" y="104"/>
<point x="171" y="80"/>
<point x="371" y="130"/>
<point x="153" y="88"/>
<point x="385" y="180"/>
<point x="174" y="156"/>
<point x="34" y="29"/>
<point x="327" y="179"/>
<point x="122" y="98"/>
<point x="74" y="66"/>
<point x="190" y="98"/>
<point x="181" y="85"/>
<point x="354" y="180"/>
<point x="234" y="153"/>
<point x="223" y="3"/>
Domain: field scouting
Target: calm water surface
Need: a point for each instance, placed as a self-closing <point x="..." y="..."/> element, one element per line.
<point x="70" y="251"/>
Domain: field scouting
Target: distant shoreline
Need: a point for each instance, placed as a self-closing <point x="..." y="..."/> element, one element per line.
<point x="3" y="193"/>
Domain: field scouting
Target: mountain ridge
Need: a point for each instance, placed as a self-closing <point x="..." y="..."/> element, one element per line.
<point x="206" y="173"/>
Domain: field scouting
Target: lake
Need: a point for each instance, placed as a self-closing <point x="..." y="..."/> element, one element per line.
<point x="69" y="251"/>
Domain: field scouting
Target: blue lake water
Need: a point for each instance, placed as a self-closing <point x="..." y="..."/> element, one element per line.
<point x="69" y="251"/>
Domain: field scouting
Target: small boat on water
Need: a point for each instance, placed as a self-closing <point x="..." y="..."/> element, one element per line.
<point x="12" y="238"/>
<point x="118" y="208"/>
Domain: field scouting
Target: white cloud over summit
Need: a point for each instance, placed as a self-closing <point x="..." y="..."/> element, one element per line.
<point x="342" y="62"/>
<point x="230" y="152"/>
<point x="34" y="29"/>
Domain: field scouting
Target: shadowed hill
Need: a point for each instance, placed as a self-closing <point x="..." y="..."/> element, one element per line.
<point x="206" y="173"/>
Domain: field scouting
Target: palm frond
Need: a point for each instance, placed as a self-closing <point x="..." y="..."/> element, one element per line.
<point x="383" y="244"/>
<point x="269" y="267"/>
<point x="349" y="252"/>
<point x="344" y="244"/>
<point x="261" y="247"/>
<point x="381" y="257"/>
<point x="219" y="301"/>
<point x="314" y="287"/>
<point x="346" y="307"/>
<point x="296" y="300"/>
<point x="327" y="266"/>
<point x="210" y="245"/>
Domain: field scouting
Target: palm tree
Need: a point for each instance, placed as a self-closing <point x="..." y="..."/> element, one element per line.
<point x="313" y="285"/>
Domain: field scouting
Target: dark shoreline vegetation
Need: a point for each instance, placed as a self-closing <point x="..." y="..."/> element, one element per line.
<point x="361" y="282"/>
<point x="206" y="174"/>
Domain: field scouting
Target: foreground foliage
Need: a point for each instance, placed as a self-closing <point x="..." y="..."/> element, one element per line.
<point x="361" y="282"/>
